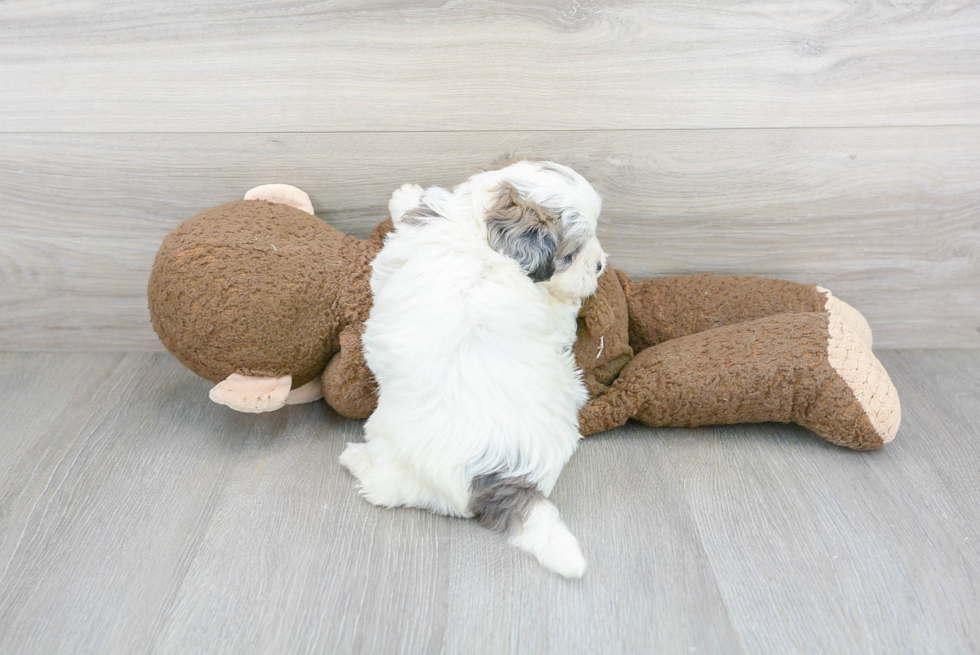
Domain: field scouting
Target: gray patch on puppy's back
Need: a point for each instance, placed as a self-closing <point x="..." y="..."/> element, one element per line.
<point x="418" y="216"/>
<point x="497" y="500"/>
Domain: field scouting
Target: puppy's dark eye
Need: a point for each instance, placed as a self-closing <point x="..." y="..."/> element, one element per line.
<point x="598" y="267"/>
<point x="566" y="260"/>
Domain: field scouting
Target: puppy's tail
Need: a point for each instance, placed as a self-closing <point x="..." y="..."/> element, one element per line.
<point x="543" y="534"/>
<point x="513" y="504"/>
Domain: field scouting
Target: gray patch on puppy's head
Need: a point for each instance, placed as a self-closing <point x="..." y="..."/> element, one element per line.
<point x="496" y="501"/>
<point x="524" y="231"/>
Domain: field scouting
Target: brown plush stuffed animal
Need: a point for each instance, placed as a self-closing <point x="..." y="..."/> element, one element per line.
<point x="267" y="301"/>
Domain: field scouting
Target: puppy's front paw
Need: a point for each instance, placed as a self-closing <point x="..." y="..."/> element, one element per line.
<point x="404" y="198"/>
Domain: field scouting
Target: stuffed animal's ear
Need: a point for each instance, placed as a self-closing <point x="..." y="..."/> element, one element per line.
<point x="524" y="231"/>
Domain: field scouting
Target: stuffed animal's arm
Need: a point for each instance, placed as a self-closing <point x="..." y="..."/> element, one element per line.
<point x="661" y="309"/>
<point x="348" y="385"/>
<point x="805" y="368"/>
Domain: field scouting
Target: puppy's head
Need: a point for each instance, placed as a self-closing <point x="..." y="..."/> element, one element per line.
<point x="543" y="216"/>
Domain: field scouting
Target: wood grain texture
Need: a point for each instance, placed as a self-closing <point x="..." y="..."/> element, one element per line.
<point x="831" y="557"/>
<point x="103" y="511"/>
<point x="376" y="65"/>
<point x="941" y="390"/>
<point x="137" y="517"/>
<point x="650" y="587"/>
<point x="889" y="219"/>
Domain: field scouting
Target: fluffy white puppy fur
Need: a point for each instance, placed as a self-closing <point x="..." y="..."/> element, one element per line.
<point x="476" y="294"/>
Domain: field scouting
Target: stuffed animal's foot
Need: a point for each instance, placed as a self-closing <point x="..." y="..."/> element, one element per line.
<point x="861" y="401"/>
<point x="252" y="395"/>
<point x="307" y="393"/>
<point x="851" y="317"/>
<point x="808" y="368"/>
<point x="282" y="193"/>
<point x="404" y="198"/>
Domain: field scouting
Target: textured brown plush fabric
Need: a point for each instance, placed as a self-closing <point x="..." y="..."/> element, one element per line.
<point x="602" y="340"/>
<point x="348" y="385"/>
<point x="771" y="369"/>
<point x="259" y="289"/>
<point x="666" y="308"/>
<point x="264" y="289"/>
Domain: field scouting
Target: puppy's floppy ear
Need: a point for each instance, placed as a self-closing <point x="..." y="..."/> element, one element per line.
<point x="524" y="231"/>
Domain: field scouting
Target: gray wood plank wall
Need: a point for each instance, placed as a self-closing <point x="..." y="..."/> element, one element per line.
<point x="830" y="142"/>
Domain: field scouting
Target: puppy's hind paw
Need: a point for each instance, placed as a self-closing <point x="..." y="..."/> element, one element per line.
<point x="380" y="481"/>
<point x="356" y="459"/>
<point x="404" y="198"/>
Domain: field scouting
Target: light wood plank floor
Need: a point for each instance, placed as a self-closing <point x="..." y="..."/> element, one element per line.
<point x="136" y="516"/>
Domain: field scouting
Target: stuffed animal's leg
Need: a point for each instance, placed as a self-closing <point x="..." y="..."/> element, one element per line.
<point x="282" y="193"/>
<point x="252" y="394"/>
<point x="805" y="368"/>
<point x="347" y="383"/>
<point x="661" y="309"/>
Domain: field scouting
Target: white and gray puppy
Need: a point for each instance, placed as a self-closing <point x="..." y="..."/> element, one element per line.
<point x="475" y="299"/>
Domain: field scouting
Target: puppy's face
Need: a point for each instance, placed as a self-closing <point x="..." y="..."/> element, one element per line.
<point x="543" y="215"/>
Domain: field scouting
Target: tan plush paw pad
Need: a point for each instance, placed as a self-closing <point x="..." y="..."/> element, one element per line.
<point x="307" y="393"/>
<point x="851" y="317"/>
<point x="285" y="194"/>
<point x="857" y="366"/>
<point x="252" y="395"/>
